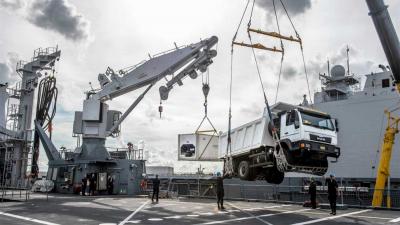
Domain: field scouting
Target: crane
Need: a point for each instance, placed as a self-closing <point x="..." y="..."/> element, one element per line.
<point x="96" y="122"/>
<point x="391" y="46"/>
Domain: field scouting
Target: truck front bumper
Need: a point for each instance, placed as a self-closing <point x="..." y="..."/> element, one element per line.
<point x="316" y="147"/>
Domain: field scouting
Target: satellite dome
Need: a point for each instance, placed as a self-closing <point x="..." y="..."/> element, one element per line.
<point x="338" y="71"/>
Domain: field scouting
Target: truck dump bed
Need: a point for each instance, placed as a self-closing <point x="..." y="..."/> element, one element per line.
<point x="246" y="137"/>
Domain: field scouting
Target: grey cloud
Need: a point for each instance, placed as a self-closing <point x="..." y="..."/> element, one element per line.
<point x="288" y="72"/>
<point x="294" y="7"/>
<point x="7" y="68"/>
<point x="59" y="16"/>
<point x="12" y="4"/>
<point x="254" y="110"/>
<point x="55" y="15"/>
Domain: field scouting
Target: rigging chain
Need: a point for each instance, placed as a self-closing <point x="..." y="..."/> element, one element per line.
<point x="283" y="52"/>
<point x="228" y="164"/>
<point x="254" y="55"/>
<point x="301" y="48"/>
<point x="279" y="155"/>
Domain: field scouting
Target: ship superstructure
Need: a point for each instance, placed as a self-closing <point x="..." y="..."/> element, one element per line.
<point x="359" y="110"/>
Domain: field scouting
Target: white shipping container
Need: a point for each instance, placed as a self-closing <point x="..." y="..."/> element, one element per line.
<point x="198" y="147"/>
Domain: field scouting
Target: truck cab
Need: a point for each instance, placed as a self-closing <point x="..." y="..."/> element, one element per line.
<point x="307" y="137"/>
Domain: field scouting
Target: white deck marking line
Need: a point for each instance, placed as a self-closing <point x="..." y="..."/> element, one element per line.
<point x="395" y="220"/>
<point x="207" y="213"/>
<point x="172" y="217"/>
<point x="372" y="217"/>
<point x="331" y="217"/>
<point x="27" y="219"/>
<point x="368" y="217"/>
<point x="132" y="214"/>
<point x="250" y="214"/>
<point x="134" y="221"/>
<point x="255" y="217"/>
<point x="285" y="212"/>
<point x="266" y="207"/>
<point x="155" y="219"/>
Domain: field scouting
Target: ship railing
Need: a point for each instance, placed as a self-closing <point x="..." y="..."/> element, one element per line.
<point x="14" y="193"/>
<point x="353" y="197"/>
<point x="43" y="52"/>
<point x="131" y="153"/>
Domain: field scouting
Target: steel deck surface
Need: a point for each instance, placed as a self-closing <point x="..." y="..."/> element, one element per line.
<point x="70" y="209"/>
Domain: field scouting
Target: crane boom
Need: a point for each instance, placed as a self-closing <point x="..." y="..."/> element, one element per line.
<point x="97" y="121"/>
<point x="157" y="68"/>
<point x="387" y="35"/>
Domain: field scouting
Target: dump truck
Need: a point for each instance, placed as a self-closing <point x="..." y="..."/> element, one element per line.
<point x="305" y="139"/>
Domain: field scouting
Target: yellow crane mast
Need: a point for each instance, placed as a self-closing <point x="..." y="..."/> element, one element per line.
<point x="384" y="164"/>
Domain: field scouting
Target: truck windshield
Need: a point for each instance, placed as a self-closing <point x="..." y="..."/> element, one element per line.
<point x="316" y="120"/>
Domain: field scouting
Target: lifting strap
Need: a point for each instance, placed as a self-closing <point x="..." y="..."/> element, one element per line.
<point x="206" y="90"/>
<point x="228" y="164"/>
<point x="301" y="49"/>
<point x="280" y="38"/>
<point x="213" y="132"/>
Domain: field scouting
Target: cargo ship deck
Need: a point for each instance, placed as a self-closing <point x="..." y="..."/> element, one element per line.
<point x="71" y="209"/>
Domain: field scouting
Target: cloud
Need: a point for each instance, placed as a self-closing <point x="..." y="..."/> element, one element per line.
<point x="253" y="111"/>
<point x="288" y="72"/>
<point x="7" y="68"/>
<point x="12" y="4"/>
<point x="59" y="16"/>
<point x="294" y="7"/>
<point x="55" y="15"/>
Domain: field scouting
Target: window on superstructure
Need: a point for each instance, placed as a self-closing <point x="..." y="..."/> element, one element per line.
<point x="385" y="83"/>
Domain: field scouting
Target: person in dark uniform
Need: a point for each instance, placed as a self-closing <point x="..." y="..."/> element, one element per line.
<point x="220" y="191"/>
<point x="312" y="190"/>
<point x="156" y="189"/>
<point x="110" y="185"/>
<point x="332" y="192"/>
<point x="84" y="185"/>
<point x="92" y="185"/>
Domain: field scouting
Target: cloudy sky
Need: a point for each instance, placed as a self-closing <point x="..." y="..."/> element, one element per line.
<point x="94" y="34"/>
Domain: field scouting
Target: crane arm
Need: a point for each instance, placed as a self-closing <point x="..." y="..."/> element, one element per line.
<point x="387" y="35"/>
<point x="188" y="58"/>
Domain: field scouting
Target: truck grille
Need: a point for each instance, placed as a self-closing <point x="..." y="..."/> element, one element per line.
<point x="320" y="139"/>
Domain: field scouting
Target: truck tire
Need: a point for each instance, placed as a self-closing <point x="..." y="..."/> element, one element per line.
<point x="278" y="177"/>
<point x="244" y="171"/>
<point x="274" y="176"/>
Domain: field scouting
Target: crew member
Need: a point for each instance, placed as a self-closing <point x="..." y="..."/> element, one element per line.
<point x="156" y="189"/>
<point x="110" y="185"/>
<point x="332" y="192"/>
<point x="220" y="191"/>
<point x="92" y="185"/>
<point x="312" y="190"/>
<point x="84" y="185"/>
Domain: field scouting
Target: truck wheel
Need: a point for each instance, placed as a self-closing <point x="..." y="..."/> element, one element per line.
<point x="274" y="176"/>
<point x="244" y="170"/>
<point x="278" y="177"/>
<point x="269" y="176"/>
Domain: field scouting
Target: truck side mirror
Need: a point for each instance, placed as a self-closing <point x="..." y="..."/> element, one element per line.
<point x="337" y="125"/>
